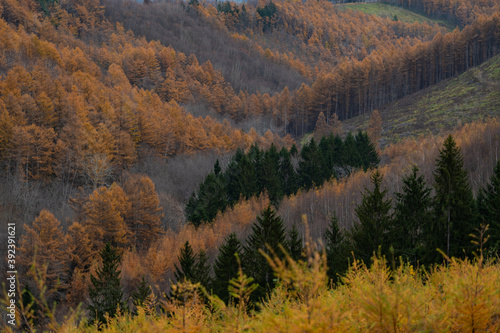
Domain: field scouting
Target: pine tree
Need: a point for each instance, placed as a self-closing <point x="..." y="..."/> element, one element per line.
<point x="411" y="217"/>
<point x="217" y="168"/>
<point x="106" y="294"/>
<point x="351" y="157"/>
<point x="296" y="244"/>
<point x="232" y="178"/>
<point x="202" y="269"/>
<point x="267" y="230"/>
<point x="203" y="206"/>
<point x="454" y="202"/>
<point x="374" y="220"/>
<point x="270" y="176"/>
<point x="226" y="266"/>
<point x="287" y="172"/>
<point x="187" y="261"/>
<point x="326" y="147"/>
<point x="311" y="166"/>
<point x="337" y="250"/>
<point x="489" y="205"/>
<point x="368" y="156"/>
<point x="192" y="267"/>
<point x="253" y="170"/>
<point x="142" y="292"/>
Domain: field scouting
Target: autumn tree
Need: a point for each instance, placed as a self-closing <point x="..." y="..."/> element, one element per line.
<point x="103" y="216"/>
<point x="335" y="124"/>
<point x="322" y="128"/>
<point x="33" y="150"/>
<point x="45" y="245"/>
<point x="144" y="217"/>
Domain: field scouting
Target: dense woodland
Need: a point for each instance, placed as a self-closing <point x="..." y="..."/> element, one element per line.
<point x="143" y="145"/>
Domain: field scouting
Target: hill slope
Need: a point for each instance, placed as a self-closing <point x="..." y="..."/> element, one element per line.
<point x="389" y="11"/>
<point x="471" y="96"/>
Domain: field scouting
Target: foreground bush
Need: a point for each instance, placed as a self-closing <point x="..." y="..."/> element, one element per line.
<point x="461" y="296"/>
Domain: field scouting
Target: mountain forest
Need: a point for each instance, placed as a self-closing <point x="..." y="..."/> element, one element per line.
<point x="250" y="166"/>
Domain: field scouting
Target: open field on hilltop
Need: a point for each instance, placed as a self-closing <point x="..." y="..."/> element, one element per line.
<point x="474" y="95"/>
<point x="386" y="10"/>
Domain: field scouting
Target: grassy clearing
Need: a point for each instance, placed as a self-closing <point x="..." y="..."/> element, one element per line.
<point x="474" y="95"/>
<point x="389" y="11"/>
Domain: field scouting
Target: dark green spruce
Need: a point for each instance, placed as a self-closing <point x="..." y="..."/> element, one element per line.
<point x="489" y="206"/>
<point x="337" y="250"/>
<point x="374" y="221"/>
<point x="226" y="266"/>
<point x="454" y="203"/>
<point x="106" y="293"/>
<point x="412" y="218"/>
<point x="267" y="230"/>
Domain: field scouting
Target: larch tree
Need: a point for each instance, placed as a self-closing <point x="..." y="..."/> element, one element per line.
<point x="335" y="124"/>
<point x="104" y="214"/>
<point x="322" y="128"/>
<point x="145" y="213"/>
<point x="45" y="244"/>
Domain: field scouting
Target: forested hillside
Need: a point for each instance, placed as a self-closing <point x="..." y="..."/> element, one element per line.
<point x="227" y="166"/>
<point x="473" y="95"/>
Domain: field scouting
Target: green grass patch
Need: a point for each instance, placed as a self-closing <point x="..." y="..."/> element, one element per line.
<point x="389" y="11"/>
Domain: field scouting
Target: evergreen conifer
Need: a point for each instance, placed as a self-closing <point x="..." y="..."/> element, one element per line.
<point x="105" y="293"/>
<point x="267" y="230"/>
<point x="489" y="205"/>
<point x="142" y="292"/>
<point x="412" y="217"/>
<point x="454" y="203"/>
<point x="296" y="244"/>
<point x="187" y="261"/>
<point x="226" y="266"/>
<point x="287" y="172"/>
<point x="337" y="250"/>
<point x="374" y="220"/>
